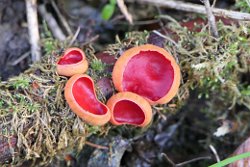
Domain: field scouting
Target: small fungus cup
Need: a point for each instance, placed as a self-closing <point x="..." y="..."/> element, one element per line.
<point x="72" y="62"/>
<point x="81" y="97"/>
<point x="149" y="71"/>
<point x="129" y="108"/>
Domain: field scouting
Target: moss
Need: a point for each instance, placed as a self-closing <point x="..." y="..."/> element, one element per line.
<point x="243" y="5"/>
<point x="33" y="107"/>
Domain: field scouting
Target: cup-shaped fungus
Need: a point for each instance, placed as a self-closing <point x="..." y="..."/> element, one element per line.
<point x="73" y="61"/>
<point x="129" y="108"/>
<point x="81" y="97"/>
<point x="149" y="71"/>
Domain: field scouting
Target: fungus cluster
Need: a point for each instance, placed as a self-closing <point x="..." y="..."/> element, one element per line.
<point x="143" y="76"/>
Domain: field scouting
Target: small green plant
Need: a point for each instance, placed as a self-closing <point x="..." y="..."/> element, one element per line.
<point x="20" y="82"/>
<point x="1" y="103"/>
<point x="97" y="65"/>
<point x="245" y="91"/>
<point x="243" y="5"/>
<point x="49" y="43"/>
<point x="108" y="10"/>
<point x="32" y="107"/>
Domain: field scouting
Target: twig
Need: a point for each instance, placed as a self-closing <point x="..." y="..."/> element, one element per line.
<point x="190" y="7"/>
<point x="214" y="152"/>
<point x="211" y="18"/>
<point x="62" y="18"/>
<point x="165" y="37"/>
<point x="185" y="162"/>
<point x="214" y="3"/>
<point x="145" y="22"/>
<point x="75" y="35"/>
<point x="124" y="11"/>
<point x="168" y="159"/>
<point x="192" y="160"/>
<point x="31" y="9"/>
<point x="160" y="114"/>
<point x="54" y="27"/>
<point x="91" y="40"/>
<point x="20" y="58"/>
<point x="96" y="145"/>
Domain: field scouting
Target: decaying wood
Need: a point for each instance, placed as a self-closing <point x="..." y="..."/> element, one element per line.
<point x="190" y="7"/>
<point x="31" y="9"/>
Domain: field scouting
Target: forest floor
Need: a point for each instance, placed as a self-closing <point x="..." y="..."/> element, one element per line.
<point x="208" y="120"/>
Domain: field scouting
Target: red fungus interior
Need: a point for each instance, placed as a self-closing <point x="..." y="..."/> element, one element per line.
<point x="126" y="111"/>
<point x="148" y="74"/>
<point x="84" y="95"/>
<point x="71" y="57"/>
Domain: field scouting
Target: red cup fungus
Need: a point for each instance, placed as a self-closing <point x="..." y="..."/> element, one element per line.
<point x="73" y="61"/>
<point x="81" y="97"/>
<point x="149" y="71"/>
<point x="129" y="108"/>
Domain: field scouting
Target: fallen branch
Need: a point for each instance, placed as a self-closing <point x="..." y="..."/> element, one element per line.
<point x="31" y="9"/>
<point x="190" y="7"/>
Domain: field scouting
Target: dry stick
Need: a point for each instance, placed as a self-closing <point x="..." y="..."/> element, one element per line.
<point x="51" y="21"/>
<point x="31" y="9"/>
<point x="165" y="37"/>
<point x="62" y="18"/>
<point x="124" y="11"/>
<point x="214" y="152"/>
<point x="214" y="3"/>
<point x="21" y="58"/>
<point x="75" y="36"/>
<point x="190" y="7"/>
<point x="96" y="145"/>
<point x="185" y="162"/>
<point x="192" y="160"/>
<point x="211" y="18"/>
<point x="168" y="159"/>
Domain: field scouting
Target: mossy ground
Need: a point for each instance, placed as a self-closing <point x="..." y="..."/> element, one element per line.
<point x="33" y="108"/>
